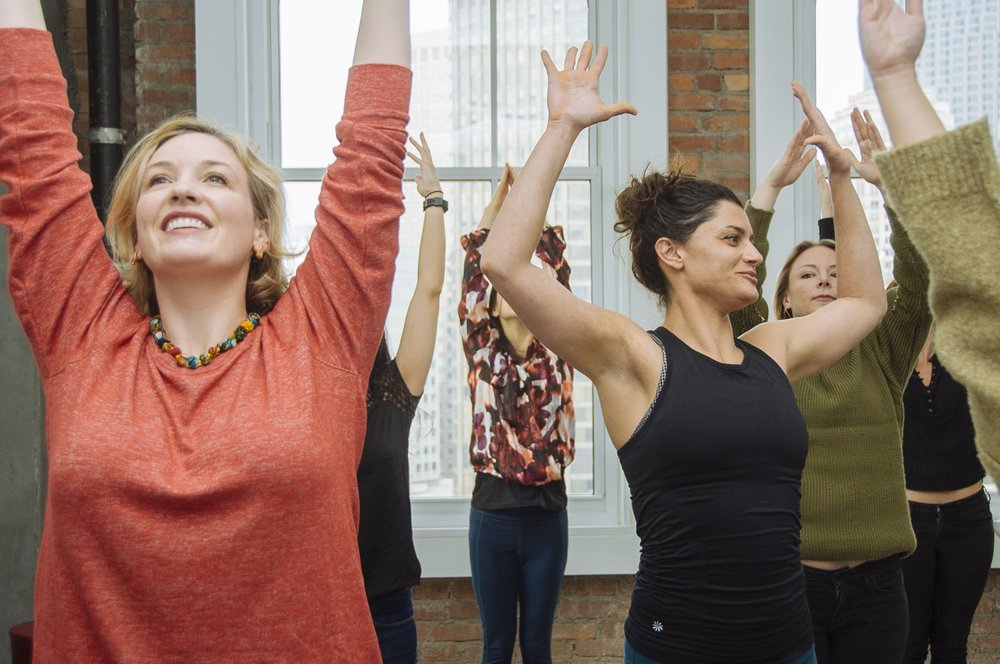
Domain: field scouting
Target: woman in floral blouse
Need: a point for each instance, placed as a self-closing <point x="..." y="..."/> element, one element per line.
<point x="522" y="441"/>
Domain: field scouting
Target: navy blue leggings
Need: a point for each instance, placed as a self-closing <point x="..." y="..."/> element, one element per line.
<point x="518" y="559"/>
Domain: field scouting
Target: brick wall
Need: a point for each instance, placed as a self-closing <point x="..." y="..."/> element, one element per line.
<point x="709" y="125"/>
<point x="709" y="88"/>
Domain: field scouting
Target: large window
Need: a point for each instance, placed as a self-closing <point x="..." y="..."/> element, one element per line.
<point x="277" y="71"/>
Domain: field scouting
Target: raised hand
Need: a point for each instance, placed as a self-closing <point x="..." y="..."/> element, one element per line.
<point x="573" y="98"/>
<point x="891" y="37"/>
<point x="492" y="208"/>
<point x="786" y="170"/>
<point x="837" y="158"/>
<point x="870" y="143"/>
<point x="427" y="182"/>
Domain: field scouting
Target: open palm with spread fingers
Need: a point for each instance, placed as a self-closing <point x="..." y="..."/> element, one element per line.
<point x="837" y="158"/>
<point x="573" y="97"/>
<point x="870" y="143"/>
<point x="891" y="37"/>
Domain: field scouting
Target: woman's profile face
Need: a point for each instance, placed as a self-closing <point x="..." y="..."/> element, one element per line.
<point x="194" y="211"/>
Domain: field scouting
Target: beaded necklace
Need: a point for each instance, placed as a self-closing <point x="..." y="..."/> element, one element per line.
<point x="190" y="361"/>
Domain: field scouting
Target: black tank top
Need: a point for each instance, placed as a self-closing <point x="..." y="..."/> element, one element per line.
<point x="714" y="470"/>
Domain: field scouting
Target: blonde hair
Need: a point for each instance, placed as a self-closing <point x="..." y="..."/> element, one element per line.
<point x="267" y="279"/>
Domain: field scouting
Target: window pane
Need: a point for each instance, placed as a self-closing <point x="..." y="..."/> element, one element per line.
<point x="316" y="39"/>
<point x="524" y="28"/>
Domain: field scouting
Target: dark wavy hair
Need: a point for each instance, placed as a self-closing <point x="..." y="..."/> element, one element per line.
<point x="668" y="204"/>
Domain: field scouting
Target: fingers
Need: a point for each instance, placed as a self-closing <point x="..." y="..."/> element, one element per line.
<point x="583" y="62"/>
<point x="813" y="114"/>
<point x="413" y="156"/>
<point x="820" y="177"/>
<point x="570" y="62"/>
<point x="602" y="57"/>
<point x="876" y="135"/>
<point x="550" y="67"/>
<point x="621" y="108"/>
<point x="915" y="8"/>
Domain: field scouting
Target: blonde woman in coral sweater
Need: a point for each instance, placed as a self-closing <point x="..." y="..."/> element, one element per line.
<point x="202" y="502"/>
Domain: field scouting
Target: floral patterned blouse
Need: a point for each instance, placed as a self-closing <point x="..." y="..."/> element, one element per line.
<point x="522" y="410"/>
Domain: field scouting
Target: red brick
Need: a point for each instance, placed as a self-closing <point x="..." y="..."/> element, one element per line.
<point x="732" y="21"/>
<point x="687" y="62"/>
<point x="182" y="77"/>
<point x="723" y="122"/>
<point x="733" y="143"/>
<point x="737" y="82"/>
<point x="179" y="32"/>
<point x="176" y="11"/>
<point x="725" y="4"/>
<point x="166" y="53"/>
<point x="679" y="4"/>
<point x="681" y="122"/>
<point x="711" y="82"/>
<point x="683" y="40"/>
<point x="464" y="631"/>
<point x="692" y="143"/>
<point x="734" y="103"/>
<point x="725" y="40"/>
<point x="691" y="102"/>
<point x="739" y="61"/>
<point x="695" y="20"/>
<point x="683" y="82"/>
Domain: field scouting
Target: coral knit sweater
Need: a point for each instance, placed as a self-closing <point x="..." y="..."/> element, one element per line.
<point x="207" y="515"/>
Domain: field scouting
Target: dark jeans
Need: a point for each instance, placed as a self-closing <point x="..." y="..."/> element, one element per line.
<point x="392" y="614"/>
<point x="518" y="558"/>
<point x="946" y="575"/>
<point x="858" y="614"/>
<point x="634" y="657"/>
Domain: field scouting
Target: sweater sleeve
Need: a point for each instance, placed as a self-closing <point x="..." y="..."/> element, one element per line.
<point x="473" y="315"/>
<point x="903" y="330"/>
<point x="947" y="192"/>
<point x="754" y="314"/>
<point x="61" y="279"/>
<point x="345" y="282"/>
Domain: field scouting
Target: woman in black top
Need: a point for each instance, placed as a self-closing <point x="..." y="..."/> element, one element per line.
<point x="385" y="535"/>
<point x="707" y="430"/>
<point x="950" y="512"/>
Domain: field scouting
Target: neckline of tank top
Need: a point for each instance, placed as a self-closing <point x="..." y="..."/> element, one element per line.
<point x="740" y="344"/>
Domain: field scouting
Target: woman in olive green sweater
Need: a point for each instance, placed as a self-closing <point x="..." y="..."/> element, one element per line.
<point x="946" y="187"/>
<point x="855" y="517"/>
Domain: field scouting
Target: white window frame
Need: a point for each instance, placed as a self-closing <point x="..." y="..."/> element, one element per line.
<point x="783" y="49"/>
<point x="237" y="87"/>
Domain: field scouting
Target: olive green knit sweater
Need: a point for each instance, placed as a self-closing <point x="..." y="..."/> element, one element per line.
<point x="947" y="192"/>
<point x="853" y="489"/>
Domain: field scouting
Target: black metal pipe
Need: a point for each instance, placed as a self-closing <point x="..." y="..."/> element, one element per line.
<point x="103" y="65"/>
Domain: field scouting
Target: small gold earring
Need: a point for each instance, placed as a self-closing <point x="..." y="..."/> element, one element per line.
<point x="259" y="252"/>
<point x="136" y="257"/>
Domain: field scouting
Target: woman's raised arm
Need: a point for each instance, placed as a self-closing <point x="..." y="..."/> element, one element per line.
<point x="384" y="33"/>
<point x="584" y="335"/>
<point x="816" y="341"/>
<point x="416" y="343"/>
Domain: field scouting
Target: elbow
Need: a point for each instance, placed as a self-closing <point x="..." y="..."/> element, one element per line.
<point x="491" y="264"/>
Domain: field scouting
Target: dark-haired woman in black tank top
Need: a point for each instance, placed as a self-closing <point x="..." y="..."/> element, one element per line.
<point x="706" y="426"/>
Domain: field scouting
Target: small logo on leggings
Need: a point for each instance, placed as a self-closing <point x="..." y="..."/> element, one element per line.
<point x="657" y="626"/>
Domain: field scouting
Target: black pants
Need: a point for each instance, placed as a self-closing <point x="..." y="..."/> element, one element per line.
<point x="858" y="614"/>
<point x="946" y="575"/>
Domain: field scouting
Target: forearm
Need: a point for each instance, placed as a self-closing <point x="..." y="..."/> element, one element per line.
<point x="765" y="196"/>
<point x="21" y="14"/>
<point x="859" y="274"/>
<point x="430" y="261"/>
<point x="519" y="225"/>
<point x="384" y="33"/>
<point x="907" y="111"/>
